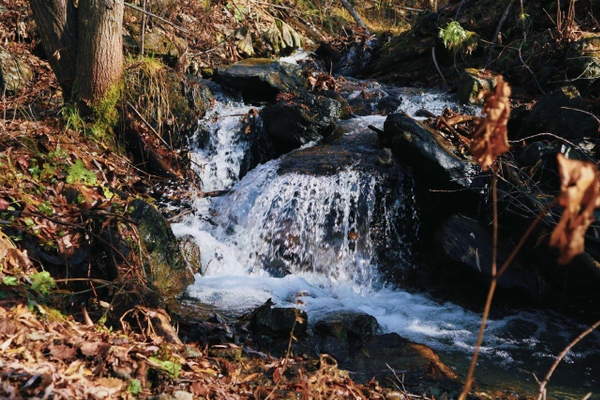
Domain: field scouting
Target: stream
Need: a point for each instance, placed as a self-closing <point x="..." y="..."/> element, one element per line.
<point x="288" y="229"/>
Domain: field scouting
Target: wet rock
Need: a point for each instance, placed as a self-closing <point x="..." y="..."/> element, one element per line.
<point x="465" y="241"/>
<point x="583" y="57"/>
<point x="381" y="210"/>
<point x="270" y="322"/>
<point x="355" y="59"/>
<point x="191" y="253"/>
<point x="562" y="112"/>
<point x="293" y="122"/>
<point x="369" y="98"/>
<point x="14" y="72"/>
<point x="472" y="82"/>
<point x="348" y="326"/>
<point x="421" y="367"/>
<point x="165" y="267"/>
<point x="342" y="332"/>
<point x="261" y="79"/>
<point x="426" y="149"/>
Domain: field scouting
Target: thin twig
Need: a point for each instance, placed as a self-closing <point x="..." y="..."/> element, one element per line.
<point x="562" y="354"/>
<point x="497" y="32"/>
<point x="148" y="125"/>
<point x="437" y="66"/>
<point x="166" y="21"/>
<point x="529" y="69"/>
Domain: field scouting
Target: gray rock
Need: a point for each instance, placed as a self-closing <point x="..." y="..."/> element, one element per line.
<point x="426" y="149"/>
<point x="465" y="241"/>
<point x="562" y="112"/>
<point x="268" y="321"/>
<point x="14" y="72"/>
<point x="261" y="79"/>
<point x="160" y="44"/>
<point x="294" y="122"/>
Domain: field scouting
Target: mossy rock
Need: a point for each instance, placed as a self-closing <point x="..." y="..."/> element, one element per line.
<point x="472" y="82"/>
<point x="165" y="266"/>
<point x="583" y="57"/>
<point x="14" y="72"/>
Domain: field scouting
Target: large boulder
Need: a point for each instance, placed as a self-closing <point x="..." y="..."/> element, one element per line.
<point x="427" y="149"/>
<point x="295" y="121"/>
<point x="165" y="266"/>
<point x="261" y="79"/>
<point x="465" y="241"/>
<point x="564" y="113"/>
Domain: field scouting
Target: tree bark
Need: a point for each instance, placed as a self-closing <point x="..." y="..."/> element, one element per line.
<point x="100" y="50"/>
<point x="57" y="25"/>
<point x="84" y="46"/>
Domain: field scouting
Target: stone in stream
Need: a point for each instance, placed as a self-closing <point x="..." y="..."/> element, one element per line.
<point x="414" y="143"/>
<point x="260" y="80"/>
<point x="299" y="119"/>
<point x="466" y="242"/>
<point x="472" y="82"/>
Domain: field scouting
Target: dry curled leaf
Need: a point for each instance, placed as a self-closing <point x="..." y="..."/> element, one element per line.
<point x="490" y="139"/>
<point x="579" y="195"/>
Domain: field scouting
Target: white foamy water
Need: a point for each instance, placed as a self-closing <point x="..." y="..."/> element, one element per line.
<point x="217" y="163"/>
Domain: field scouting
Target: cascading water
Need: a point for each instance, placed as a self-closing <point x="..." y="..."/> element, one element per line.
<point x="321" y="231"/>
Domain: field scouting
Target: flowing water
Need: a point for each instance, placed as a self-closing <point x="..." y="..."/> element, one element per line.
<point x="279" y="232"/>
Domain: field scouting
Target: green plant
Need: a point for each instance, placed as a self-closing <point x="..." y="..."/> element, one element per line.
<point x="170" y="367"/>
<point x="42" y="282"/>
<point x="457" y="39"/>
<point x="135" y="387"/>
<point x="78" y="173"/>
<point x="72" y="118"/>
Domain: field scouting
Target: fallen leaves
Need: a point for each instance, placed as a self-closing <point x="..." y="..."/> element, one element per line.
<point x="579" y="195"/>
<point x="490" y="139"/>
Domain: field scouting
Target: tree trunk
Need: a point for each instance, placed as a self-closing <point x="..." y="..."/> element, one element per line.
<point x="57" y="24"/>
<point x="84" y="46"/>
<point x="100" y="50"/>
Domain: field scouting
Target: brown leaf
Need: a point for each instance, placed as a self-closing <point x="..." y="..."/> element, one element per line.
<point x="62" y="352"/>
<point x="490" y="139"/>
<point x="94" y="349"/>
<point x="579" y="195"/>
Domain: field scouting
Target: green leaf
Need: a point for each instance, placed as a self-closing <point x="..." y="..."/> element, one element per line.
<point x="78" y="173"/>
<point x="10" y="281"/>
<point x="168" y="366"/>
<point x="135" y="387"/>
<point x="42" y="282"/>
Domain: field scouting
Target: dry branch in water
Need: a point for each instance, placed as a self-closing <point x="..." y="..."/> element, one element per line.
<point x="579" y="195"/>
<point x="490" y="139"/>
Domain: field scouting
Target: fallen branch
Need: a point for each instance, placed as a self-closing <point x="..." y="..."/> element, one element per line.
<point x="356" y="17"/>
